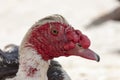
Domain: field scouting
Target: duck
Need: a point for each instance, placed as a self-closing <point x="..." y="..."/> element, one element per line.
<point x="49" y="38"/>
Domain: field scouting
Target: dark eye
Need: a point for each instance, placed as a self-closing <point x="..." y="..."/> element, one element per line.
<point x="54" y="32"/>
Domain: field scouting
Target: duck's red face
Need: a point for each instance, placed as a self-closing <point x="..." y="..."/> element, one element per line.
<point x="55" y="39"/>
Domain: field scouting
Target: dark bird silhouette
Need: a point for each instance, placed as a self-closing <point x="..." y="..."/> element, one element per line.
<point x="114" y="15"/>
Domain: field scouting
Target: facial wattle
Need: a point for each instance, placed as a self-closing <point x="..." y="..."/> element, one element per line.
<point x="45" y="42"/>
<point x="84" y="41"/>
<point x="51" y="45"/>
<point x="76" y="37"/>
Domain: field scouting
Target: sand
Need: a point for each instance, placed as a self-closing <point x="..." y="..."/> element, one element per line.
<point x="17" y="16"/>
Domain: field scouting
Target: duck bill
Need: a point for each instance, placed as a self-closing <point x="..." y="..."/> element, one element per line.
<point x="85" y="53"/>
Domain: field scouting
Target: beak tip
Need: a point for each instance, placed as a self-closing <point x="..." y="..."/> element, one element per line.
<point x="98" y="58"/>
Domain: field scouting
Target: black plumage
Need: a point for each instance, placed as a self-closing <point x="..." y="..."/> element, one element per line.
<point x="8" y="61"/>
<point x="54" y="71"/>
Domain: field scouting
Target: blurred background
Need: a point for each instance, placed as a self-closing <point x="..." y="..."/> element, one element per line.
<point x="98" y="19"/>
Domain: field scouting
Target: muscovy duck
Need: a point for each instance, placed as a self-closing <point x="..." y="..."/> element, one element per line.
<point x="48" y="38"/>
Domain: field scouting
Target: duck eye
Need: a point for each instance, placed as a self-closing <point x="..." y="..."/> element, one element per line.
<point x="54" y="32"/>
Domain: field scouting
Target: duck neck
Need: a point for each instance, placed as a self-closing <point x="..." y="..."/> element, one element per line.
<point x="32" y="66"/>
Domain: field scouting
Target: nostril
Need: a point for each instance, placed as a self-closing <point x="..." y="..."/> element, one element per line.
<point x="79" y="45"/>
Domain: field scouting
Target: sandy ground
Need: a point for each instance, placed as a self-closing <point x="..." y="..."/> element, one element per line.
<point x="17" y="16"/>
